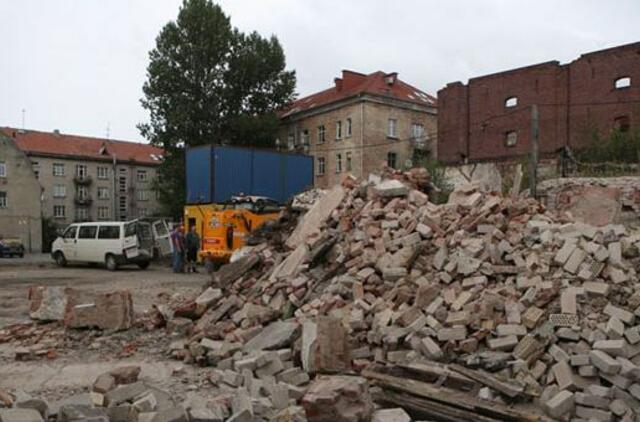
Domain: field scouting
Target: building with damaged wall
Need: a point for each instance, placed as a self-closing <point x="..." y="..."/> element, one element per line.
<point x="489" y="118"/>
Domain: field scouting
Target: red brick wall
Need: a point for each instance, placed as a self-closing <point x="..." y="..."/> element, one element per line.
<point x="573" y="100"/>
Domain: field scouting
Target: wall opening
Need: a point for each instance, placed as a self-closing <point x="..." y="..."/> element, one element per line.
<point x="511" y="102"/>
<point x="624" y="82"/>
<point x="511" y="138"/>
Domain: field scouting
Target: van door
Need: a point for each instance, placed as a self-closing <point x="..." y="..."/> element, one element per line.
<point x="86" y="248"/>
<point x="162" y="238"/>
<point x="109" y="242"/>
<point x="130" y="240"/>
<point x="69" y="240"/>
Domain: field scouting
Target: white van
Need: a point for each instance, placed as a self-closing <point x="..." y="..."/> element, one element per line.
<point x="112" y="243"/>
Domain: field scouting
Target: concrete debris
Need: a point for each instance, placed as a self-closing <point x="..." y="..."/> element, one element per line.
<point x="447" y="309"/>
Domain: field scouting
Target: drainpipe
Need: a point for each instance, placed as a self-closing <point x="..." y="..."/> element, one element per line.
<point x="362" y="139"/>
<point x="115" y="200"/>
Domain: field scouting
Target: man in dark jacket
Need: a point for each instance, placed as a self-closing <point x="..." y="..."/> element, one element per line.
<point x="193" y="246"/>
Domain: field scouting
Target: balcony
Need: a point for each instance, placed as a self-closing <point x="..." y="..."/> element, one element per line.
<point x="83" y="180"/>
<point x="83" y="201"/>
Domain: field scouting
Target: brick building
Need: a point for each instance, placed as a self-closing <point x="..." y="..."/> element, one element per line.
<point x="360" y="123"/>
<point x="489" y="117"/>
<point x="80" y="178"/>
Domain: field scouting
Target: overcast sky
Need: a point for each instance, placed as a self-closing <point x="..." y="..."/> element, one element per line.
<point x="79" y="65"/>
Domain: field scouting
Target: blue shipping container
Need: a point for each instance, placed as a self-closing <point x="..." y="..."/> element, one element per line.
<point x="216" y="173"/>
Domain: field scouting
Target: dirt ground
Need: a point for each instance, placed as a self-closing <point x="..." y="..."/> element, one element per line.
<point x="81" y="355"/>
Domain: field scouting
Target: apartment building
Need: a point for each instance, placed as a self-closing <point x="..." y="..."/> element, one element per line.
<point x="489" y="118"/>
<point x="84" y="179"/>
<point x="20" y="206"/>
<point x="360" y="124"/>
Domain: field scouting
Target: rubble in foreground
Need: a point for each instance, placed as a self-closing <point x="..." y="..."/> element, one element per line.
<point x="527" y="309"/>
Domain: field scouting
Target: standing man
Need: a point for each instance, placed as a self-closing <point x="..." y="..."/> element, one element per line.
<point x="177" y="240"/>
<point x="193" y="245"/>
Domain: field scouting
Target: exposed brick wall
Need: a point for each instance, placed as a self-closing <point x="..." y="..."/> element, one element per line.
<point x="574" y="101"/>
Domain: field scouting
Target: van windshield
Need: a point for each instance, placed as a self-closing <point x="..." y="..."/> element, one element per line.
<point x="130" y="229"/>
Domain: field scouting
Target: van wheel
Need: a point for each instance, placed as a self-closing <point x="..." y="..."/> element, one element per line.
<point x="111" y="263"/>
<point x="144" y="265"/>
<point x="61" y="261"/>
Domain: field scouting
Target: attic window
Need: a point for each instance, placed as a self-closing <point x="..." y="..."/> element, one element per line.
<point x="511" y="138"/>
<point x="511" y="102"/>
<point x="624" y="82"/>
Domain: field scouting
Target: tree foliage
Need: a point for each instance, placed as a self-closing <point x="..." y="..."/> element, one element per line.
<point x="207" y="82"/>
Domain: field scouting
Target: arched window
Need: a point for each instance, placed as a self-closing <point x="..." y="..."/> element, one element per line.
<point x="511" y="102"/>
<point x="624" y="82"/>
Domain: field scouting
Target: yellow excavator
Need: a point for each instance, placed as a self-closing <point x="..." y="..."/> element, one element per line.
<point x="224" y="228"/>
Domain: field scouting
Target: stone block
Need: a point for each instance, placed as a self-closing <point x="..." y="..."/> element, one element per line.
<point x="560" y="404"/>
<point x="604" y="362"/>
<point x="564" y="376"/>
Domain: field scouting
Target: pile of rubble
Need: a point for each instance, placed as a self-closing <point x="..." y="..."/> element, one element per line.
<point x="528" y="307"/>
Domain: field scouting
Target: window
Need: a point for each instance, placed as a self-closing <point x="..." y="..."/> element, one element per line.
<point x="103" y="214"/>
<point x="349" y="168"/>
<point x="143" y="195"/>
<point x="291" y="140"/>
<point x="58" y="169"/>
<point x="142" y="176"/>
<point x="59" y="191"/>
<point x="82" y="214"/>
<point x="87" y="232"/>
<point x="305" y="137"/>
<point x="70" y="233"/>
<point x="511" y="138"/>
<point x="81" y="171"/>
<point x="391" y="159"/>
<point x="392" y="129"/>
<point x="349" y="127"/>
<point x="142" y="212"/>
<point x="109" y="232"/>
<point x="103" y="173"/>
<point x="339" y="129"/>
<point x="3" y="169"/>
<point x="58" y="211"/>
<point x="103" y="193"/>
<point x="3" y="199"/>
<point x="338" y="163"/>
<point x="36" y="168"/>
<point x="622" y="123"/>
<point x="82" y="193"/>
<point x="417" y="131"/>
<point x="321" y="165"/>
<point x="624" y="82"/>
<point x="511" y="102"/>
<point x="321" y="134"/>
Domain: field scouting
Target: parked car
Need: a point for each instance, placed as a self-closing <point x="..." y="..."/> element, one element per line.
<point x="114" y="243"/>
<point x="11" y="247"/>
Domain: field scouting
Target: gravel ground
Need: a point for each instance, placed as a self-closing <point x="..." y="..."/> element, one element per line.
<point x="81" y="354"/>
<point x="145" y="285"/>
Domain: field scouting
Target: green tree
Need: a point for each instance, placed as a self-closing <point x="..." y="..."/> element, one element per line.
<point x="206" y="83"/>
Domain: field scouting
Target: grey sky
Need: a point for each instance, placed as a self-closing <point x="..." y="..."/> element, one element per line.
<point x="76" y="65"/>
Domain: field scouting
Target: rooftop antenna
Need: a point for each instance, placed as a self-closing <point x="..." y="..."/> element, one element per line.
<point x="108" y="130"/>
<point x="23" y="114"/>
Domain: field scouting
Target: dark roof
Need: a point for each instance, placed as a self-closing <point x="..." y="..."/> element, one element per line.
<point x="353" y="83"/>
<point x="61" y="144"/>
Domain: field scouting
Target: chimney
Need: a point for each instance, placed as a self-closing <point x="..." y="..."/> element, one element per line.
<point x="56" y="132"/>
<point x="338" y="83"/>
<point x="390" y="79"/>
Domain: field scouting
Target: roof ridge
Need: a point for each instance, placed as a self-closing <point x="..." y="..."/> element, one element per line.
<point x="23" y="131"/>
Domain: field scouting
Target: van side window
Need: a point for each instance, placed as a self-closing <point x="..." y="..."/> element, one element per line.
<point x="109" y="232"/>
<point x="70" y="233"/>
<point x="87" y="232"/>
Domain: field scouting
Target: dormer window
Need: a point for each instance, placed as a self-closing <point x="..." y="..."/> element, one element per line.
<point x="511" y="102"/>
<point x="624" y="82"/>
